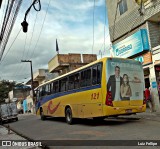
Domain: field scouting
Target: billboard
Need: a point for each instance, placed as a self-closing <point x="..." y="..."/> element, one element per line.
<point x="132" y="45"/>
<point x="125" y="79"/>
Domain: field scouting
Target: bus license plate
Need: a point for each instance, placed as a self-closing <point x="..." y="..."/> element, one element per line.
<point x="128" y="110"/>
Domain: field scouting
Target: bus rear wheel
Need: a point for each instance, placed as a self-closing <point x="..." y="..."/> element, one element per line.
<point x="68" y="116"/>
<point x="42" y="115"/>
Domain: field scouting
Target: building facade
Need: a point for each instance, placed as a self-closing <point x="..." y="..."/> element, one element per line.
<point x="64" y="63"/>
<point x="135" y="33"/>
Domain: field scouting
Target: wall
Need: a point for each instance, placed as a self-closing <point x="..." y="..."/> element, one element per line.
<point x="111" y="8"/>
<point x="130" y="19"/>
<point x="154" y="34"/>
<point x="124" y="22"/>
<point x="143" y="26"/>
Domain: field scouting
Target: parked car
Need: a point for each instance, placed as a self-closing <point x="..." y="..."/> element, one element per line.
<point x="8" y="111"/>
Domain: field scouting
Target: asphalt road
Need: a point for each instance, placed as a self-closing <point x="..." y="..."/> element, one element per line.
<point x="87" y="129"/>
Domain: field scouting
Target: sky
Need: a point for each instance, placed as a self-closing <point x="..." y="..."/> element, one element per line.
<point x="68" y="21"/>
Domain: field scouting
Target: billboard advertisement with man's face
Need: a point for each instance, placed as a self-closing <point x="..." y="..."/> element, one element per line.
<point x="125" y="79"/>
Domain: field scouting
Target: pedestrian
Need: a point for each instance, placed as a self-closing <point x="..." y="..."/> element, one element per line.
<point x="148" y="99"/>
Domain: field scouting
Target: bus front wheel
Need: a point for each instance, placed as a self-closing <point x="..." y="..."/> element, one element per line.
<point x="68" y="116"/>
<point x="42" y="115"/>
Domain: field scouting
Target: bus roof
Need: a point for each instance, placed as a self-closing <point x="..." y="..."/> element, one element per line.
<point x="83" y="67"/>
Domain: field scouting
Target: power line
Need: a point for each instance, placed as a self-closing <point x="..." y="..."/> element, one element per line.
<point x="10" y="24"/>
<point x="103" y="45"/>
<point x="21" y="66"/>
<point x="41" y="29"/>
<point x="26" y="36"/>
<point x="93" y="24"/>
<point x="10" y="47"/>
<point x="33" y="31"/>
<point x="103" y="42"/>
<point x="24" y="46"/>
<point x="11" y="12"/>
<point x="104" y="23"/>
<point x="16" y="36"/>
<point x="5" y="3"/>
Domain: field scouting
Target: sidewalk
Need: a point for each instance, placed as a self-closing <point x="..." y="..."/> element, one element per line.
<point x="11" y="136"/>
<point x="155" y="116"/>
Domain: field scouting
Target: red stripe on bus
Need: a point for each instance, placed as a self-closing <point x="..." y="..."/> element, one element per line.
<point x="51" y="111"/>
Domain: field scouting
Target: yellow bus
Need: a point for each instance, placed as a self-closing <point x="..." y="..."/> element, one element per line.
<point x="106" y="87"/>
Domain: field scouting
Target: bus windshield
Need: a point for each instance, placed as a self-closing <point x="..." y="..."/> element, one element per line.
<point x="125" y="79"/>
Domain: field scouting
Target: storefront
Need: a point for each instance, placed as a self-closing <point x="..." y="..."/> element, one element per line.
<point x="146" y="60"/>
<point x="156" y="62"/>
<point x="157" y="70"/>
<point x="137" y="47"/>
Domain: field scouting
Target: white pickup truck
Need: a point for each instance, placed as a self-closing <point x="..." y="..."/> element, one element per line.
<point x="8" y="111"/>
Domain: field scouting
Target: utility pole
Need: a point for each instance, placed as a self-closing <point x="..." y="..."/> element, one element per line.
<point x="31" y="77"/>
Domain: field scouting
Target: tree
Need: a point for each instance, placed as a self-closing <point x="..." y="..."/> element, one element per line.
<point x="5" y="87"/>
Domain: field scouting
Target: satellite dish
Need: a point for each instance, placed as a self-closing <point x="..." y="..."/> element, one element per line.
<point x="139" y="1"/>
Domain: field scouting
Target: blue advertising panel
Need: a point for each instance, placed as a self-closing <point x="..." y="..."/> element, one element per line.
<point x="132" y="45"/>
<point x="140" y="59"/>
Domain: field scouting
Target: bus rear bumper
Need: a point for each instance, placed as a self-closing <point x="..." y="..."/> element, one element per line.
<point x="111" y="111"/>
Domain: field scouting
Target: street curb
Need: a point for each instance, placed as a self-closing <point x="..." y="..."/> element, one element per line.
<point x="44" y="146"/>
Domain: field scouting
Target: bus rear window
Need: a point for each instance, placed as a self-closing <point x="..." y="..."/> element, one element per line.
<point x="96" y="74"/>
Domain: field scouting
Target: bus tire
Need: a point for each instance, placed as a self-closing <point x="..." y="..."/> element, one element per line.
<point x="42" y="115"/>
<point x="68" y="116"/>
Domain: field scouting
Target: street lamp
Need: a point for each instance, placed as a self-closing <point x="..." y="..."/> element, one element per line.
<point x="31" y="76"/>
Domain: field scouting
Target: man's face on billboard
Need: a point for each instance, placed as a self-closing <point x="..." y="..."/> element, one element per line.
<point x="117" y="72"/>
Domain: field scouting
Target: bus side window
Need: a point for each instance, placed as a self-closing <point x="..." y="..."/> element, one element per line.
<point x="47" y="90"/>
<point x="99" y="73"/>
<point x="56" y="87"/>
<point x="94" y="75"/>
<point x="71" y="82"/>
<point x="88" y="77"/>
<point x="43" y="91"/>
<point x="51" y="88"/>
<point x="37" y="95"/>
<point x="76" y="80"/>
<point x="40" y="92"/>
<point x="82" y="82"/>
<point x="63" y="84"/>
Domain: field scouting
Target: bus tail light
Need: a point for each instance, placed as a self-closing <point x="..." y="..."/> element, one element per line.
<point x="144" y="98"/>
<point x="109" y="99"/>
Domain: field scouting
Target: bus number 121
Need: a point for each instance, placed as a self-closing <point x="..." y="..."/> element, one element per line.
<point x="94" y="96"/>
